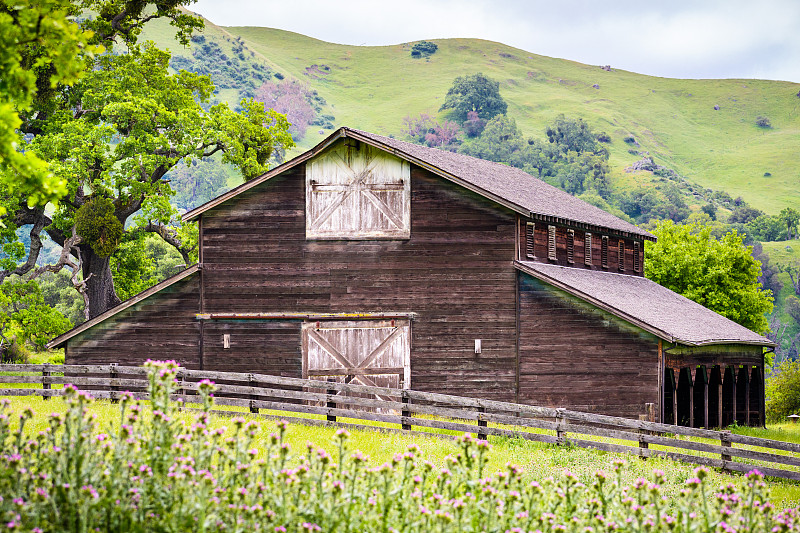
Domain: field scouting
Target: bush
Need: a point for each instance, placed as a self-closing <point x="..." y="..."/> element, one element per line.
<point x="424" y="49"/>
<point x="783" y="391"/>
<point x="763" y="122"/>
<point x="158" y="473"/>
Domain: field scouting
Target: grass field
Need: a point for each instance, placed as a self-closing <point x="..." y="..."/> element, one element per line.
<point x="374" y="88"/>
<point x="537" y="460"/>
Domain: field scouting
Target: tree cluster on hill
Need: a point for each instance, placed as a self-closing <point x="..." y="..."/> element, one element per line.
<point x="237" y="71"/>
<point x="301" y="105"/>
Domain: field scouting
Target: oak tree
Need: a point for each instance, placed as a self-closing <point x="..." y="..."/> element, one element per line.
<point x="477" y="93"/>
<point x="112" y="136"/>
<point x="720" y="274"/>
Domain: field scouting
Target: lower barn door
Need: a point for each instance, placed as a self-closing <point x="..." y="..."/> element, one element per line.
<point x="366" y="352"/>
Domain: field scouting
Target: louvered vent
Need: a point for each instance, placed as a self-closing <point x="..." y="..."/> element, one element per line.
<point x="551" y="243"/>
<point x="587" y="249"/>
<point x="637" y="265"/>
<point x="621" y="255"/>
<point x="570" y="246"/>
<point x="604" y="252"/>
<point x="529" y="232"/>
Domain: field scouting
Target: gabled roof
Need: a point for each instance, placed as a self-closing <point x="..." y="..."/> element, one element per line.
<point x="645" y="304"/>
<point x="64" y="337"/>
<point x="503" y="184"/>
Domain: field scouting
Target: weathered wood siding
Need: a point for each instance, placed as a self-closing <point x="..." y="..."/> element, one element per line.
<point x="577" y="356"/>
<point x="268" y="347"/>
<point x="540" y="239"/>
<point x="455" y="271"/>
<point x="162" y="326"/>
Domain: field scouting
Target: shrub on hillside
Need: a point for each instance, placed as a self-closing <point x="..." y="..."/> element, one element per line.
<point x="424" y="49"/>
<point x="763" y="122"/>
<point x="783" y="391"/>
<point x="157" y="473"/>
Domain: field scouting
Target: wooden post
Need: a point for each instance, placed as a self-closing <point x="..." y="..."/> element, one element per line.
<point x="405" y="413"/>
<point x="45" y="381"/>
<point x="642" y="443"/>
<point x="561" y="436"/>
<point x="253" y="397"/>
<point x="725" y="441"/>
<point x="762" y="399"/>
<point x="704" y="376"/>
<point x="181" y="391"/>
<point x="747" y="395"/>
<point x="675" y="381"/>
<point x="691" y="397"/>
<point x="650" y="412"/>
<point x="331" y="404"/>
<point x="113" y="374"/>
<point x="482" y="424"/>
<point x="719" y="396"/>
<point x="734" y="399"/>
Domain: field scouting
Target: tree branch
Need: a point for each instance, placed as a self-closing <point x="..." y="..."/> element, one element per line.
<point x="170" y="236"/>
<point x="69" y="248"/>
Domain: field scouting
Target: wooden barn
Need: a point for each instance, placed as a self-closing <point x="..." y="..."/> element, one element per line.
<point x="377" y="261"/>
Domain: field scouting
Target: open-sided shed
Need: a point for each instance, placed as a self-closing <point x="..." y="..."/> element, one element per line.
<point x="372" y="260"/>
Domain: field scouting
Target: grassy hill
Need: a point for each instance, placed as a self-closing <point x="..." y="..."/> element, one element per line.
<point x="375" y="87"/>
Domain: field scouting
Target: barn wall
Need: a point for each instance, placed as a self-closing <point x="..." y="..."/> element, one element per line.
<point x="455" y="272"/>
<point x="577" y="356"/>
<point x="267" y="347"/>
<point x="162" y="326"/>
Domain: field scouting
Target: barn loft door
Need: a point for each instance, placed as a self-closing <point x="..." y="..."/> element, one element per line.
<point x="355" y="191"/>
<point x="366" y="352"/>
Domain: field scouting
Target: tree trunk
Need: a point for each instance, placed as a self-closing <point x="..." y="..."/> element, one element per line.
<point x="100" y="286"/>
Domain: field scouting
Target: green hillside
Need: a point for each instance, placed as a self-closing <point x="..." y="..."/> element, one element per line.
<point x="374" y="88"/>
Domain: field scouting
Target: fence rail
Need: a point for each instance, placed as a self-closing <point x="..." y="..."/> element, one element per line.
<point x="403" y="410"/>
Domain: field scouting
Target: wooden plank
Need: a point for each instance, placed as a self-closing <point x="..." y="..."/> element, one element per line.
<point x="355" y="371"/>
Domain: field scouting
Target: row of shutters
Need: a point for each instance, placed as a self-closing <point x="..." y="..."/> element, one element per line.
<point x="587" y="250"/>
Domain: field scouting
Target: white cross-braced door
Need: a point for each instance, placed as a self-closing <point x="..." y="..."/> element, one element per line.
<point x="366" y="352"/>
<point x="356" y="191"/>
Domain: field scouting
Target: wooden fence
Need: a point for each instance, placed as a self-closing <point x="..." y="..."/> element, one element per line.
<point x="404" y="410"/>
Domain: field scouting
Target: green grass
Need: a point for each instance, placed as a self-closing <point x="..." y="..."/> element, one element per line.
<point x="537" y="460"/>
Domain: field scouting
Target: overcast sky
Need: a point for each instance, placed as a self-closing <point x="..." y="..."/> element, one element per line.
<point x="677" y="39"/>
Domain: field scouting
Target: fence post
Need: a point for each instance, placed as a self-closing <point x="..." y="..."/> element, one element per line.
<point x="482" y="424"/>
<point x="331" y="404"/>
<point x="113" y="374"/>
<point x="181" y="391"/>
<point x="253" y="397"/>
<point x="405" y="413"/>
<point x="561" y="435"/>
<point x="642" y="443"/>
<point x="725" y="441"/>
<point x="46" y="382"/>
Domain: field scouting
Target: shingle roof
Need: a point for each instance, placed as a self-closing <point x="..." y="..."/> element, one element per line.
<point x="646" y="304"/>
<point x="508" y="185"/>
<point x="512" y="184"/>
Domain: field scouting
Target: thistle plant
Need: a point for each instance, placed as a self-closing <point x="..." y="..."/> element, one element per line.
<point x="160" y="470"/>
